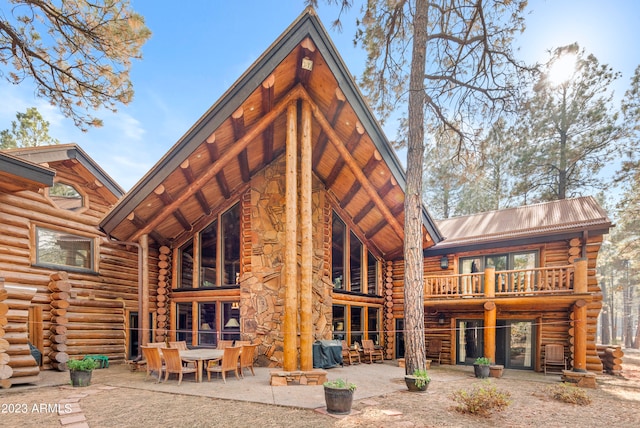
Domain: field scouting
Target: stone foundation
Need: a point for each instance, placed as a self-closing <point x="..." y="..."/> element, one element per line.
<point x="283" y="378"/>
<point x="581" y="379"/>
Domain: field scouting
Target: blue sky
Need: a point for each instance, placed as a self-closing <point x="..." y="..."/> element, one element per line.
<point x="200" y="47"/>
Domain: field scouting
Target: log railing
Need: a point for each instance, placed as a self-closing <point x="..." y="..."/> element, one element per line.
<point x="519" y="282"/>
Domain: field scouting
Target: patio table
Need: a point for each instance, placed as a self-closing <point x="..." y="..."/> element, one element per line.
<point x="200" y="356"/>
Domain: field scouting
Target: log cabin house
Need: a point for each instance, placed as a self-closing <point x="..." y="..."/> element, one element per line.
<point x="64" y="287"/>
<point x="278" y="218"/>
<point x="503" y="284"/>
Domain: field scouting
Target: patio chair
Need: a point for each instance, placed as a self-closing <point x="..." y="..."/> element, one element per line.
<point x="182" y="346"/>
<point x="554" y="356"/>
<point x="241" y="342"/>
<point x="154" y="361"/>
<point x="370" y="351"/>
<point x="350" y="355"/>
<point x="247" y="356"/>
<point x="224" y="344"/>
<point x="229" y="362"/>
<point x="434" y="350"/>
<point x="174" y="364"/>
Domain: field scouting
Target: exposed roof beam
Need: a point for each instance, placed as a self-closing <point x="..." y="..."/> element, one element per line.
<point x="333" y="113"/>
<point x="165" y="197"/>
<point x="188" y="175"/>
<point x="139" y="223"/>
<point x="228" y="156"/>
<point x="212" y="146"/>
<point x="355" y="188"/>
<point x="383" y="192"/>
<point x="352" y="142"/>
<point x="268" y="97"/>
<point x="237" y="120"/>
<point x="353" y="165"/>
<point x="307" y="55"/>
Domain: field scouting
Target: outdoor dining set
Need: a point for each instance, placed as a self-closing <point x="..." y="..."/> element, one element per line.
<point x="178" y="359"/>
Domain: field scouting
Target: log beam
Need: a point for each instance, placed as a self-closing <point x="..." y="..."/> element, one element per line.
<point x="333" y="113"/>
<point x="352" y="142"/>
<point x="214" y="155"/>
<point x="190" y="177"/>
<point x="165" y="197"/>
<point x="268" y="97"/>
<point x="237" y="120"/>
<point x="290" y="256"/>
<point x="353" y="165"/>
<point x="306" y="257"/>
<point x="306" y="55"/>
<point x="229" y="155"/>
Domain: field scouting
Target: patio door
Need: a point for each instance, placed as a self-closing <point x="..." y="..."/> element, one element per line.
<point x="470" y="341"/>
<point x="515" y="344"/>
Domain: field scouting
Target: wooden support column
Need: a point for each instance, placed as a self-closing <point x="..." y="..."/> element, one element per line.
<point x="290" y="254"/>
<point x="490" y="331"/>
<point x="580" y="336"/>
<point x="490" y="282"/>
<point x="580" y="276"/>
<point x="144" y="315"/>
<point x="306" y="225"/>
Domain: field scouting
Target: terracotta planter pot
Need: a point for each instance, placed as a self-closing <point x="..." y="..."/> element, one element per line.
<point x="338" y="401"/>
<point x="496" y="371"/>
<point x="80" y="377"/>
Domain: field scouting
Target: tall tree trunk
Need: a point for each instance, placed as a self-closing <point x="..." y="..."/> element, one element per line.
<point x="414" y="275"/>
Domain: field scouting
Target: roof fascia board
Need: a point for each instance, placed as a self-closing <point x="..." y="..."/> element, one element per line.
<point x="27" y="170"/>
<point x="541" y="239"/>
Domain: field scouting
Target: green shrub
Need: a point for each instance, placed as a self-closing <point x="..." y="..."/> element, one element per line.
<point x="481" y="400"/>
<point x="569" y="393"/>
<point x="340" y="384"/>
<point x="422" y="378"/>
<point x="84" y="365"/>
<point x="483" y="361"/>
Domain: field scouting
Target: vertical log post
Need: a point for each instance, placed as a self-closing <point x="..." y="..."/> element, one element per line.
<point x="580" y="336"/>
<point x="144" y="312"/>
<point x="306" y="225"/>
<point x="490" y="282"/>
<point x="490" y="331"/>
<point x="290" y="254"/>
<point x="580" y="276"/>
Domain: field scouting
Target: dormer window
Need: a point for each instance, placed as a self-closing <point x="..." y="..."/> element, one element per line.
<point x="66" y="196"/>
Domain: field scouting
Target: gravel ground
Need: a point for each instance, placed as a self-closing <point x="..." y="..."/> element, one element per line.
<point x="616" y="403"/>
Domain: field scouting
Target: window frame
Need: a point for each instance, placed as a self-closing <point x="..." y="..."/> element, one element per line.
<point x="195" y="243"/>
<point x="92" y="257"/>
<point x="510" y="257"/>
<point x="344" y="285"/>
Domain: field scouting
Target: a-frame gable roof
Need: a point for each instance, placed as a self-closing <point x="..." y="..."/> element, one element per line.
<point x="245" y="130"/>
<point x="71" y="156"/>
<point x="18" y="174"/>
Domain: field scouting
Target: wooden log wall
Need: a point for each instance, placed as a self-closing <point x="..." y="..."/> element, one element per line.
<point x="5" y="369"/>
<point x="60" y="288"/>
<point x="117" y="265"/>
<point x="22" y="366"/>
<point x="96" y="327"/>
<point x="163" y="294"/>
<point x="611" y="357"/>
<point x="389" y="326"/>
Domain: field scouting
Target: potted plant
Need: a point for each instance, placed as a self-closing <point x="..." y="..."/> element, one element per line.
<point x="338" y="396"/>
<point x="481" y="367"/>
<point x="80" y="371"/>
<point x="418" y="381"/>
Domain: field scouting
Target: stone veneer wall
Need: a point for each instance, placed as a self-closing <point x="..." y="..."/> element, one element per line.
<point x="262" y="290"/>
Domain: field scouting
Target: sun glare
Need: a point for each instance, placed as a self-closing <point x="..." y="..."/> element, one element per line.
<point x="562" y="69"/>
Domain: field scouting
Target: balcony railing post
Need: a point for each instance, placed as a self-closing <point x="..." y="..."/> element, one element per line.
<point x="580" y="276"/>
<point x="490" y="282"/>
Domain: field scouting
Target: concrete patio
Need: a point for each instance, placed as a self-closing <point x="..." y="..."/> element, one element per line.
<point x="371" y="379"/>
